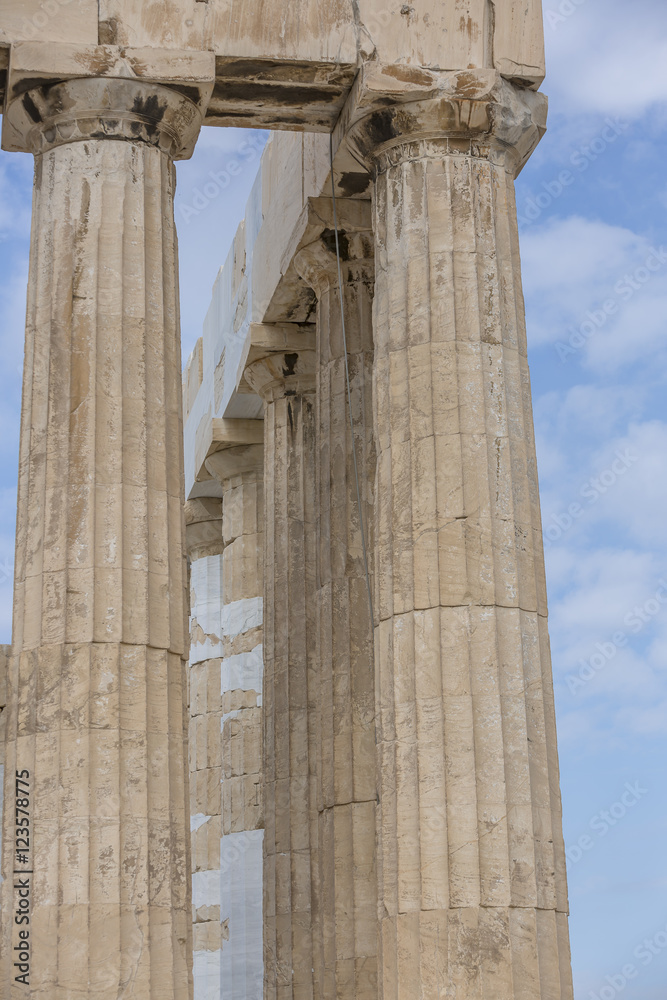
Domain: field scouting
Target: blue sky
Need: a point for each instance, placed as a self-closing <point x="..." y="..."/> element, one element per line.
<point x="592" y="205"/>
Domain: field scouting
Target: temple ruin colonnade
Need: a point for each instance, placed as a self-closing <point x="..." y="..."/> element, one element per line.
<point x="340" y="781"/>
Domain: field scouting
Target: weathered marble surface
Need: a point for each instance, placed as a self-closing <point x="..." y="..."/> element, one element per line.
<point x="97" y="700"/>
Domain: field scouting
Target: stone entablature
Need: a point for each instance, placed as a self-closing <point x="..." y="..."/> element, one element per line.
<point x="278" y="65"/>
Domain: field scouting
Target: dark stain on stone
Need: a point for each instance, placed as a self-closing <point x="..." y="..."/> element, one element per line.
<point x="80" y="234"/>
<point x="290" y="364"/>
<point x="312" y="307"/>
<point x="409" y="74"/>
<point x="150" y="108"/>
<point x="289" y="413"/>
<point x="107" y="32"/>
<point x="294" y="123"/>
<point x="31" y="108"/>
<point x="519" y="82"/>
<point x="352" y="183"/>
<point x="271" y="70"/>
<point x="248" y="92"/>
<point x="190" y="92"/>
<point x="468" y="27"/>
<point x="328" y="238"/>
<point x="222" y="111"/>
<point x="31" y="83"/>
<point x="97" y="62"/>
<point x="467" y="84"/>
<point x="301" y="310"/>
<point x="262" y="116"/>
<point x="380" y="127"/>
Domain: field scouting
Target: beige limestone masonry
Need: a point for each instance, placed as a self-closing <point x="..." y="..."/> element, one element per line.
<point x="98" y="713"/>
<point x="344" y="936"/>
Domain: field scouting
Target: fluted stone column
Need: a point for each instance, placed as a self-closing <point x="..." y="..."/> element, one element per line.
<point x="286" y="382"/>
<point x="97" y="708"/>
<point x="240" y="469"/>
<point x="203" y="532"/>
<point x="346" y="788"/>
<point x="472" y="886"/>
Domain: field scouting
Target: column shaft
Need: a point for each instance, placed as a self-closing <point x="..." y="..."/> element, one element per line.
<point x="98" y="713"/>
<point x="226" y="731"/>
<point x="205" y="545"/>
<point x="472" y="887"/>
<point x="241" y="473"/>
<point x="287" y="384"/>
<point x="346" y="936"/>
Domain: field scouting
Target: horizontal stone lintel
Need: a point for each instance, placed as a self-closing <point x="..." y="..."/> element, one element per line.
<point x="253" y="93"/>
<point x="284" y="65"/>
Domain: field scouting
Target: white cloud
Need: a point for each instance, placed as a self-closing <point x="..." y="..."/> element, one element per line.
<point x="637" y="500"/>
<point x="606" y="56"/>
<point x="604" y="585"/>
<point x="575" y="252"/>
<point x="596" y="292"/>
<point x="606" y="568"/>
<point x="637" y="333"/>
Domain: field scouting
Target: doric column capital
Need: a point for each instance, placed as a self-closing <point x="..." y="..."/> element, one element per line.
<point x="280" y="360"/>
<point x="475" y="113"/>
<point x="236" y="460"/>
<point x="280" y="375"/>
<point x="103" y="108"/>
<point x="317" y="263"/>
<point x="315" y="259"/>
<point x="236" y="448"/>
<point x="203" y="527"/>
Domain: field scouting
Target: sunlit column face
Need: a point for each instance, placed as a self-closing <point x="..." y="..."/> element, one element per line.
<point x="96" y="721"/>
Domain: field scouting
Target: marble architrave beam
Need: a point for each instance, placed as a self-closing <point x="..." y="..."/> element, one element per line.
<point x="280" y="64"/>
